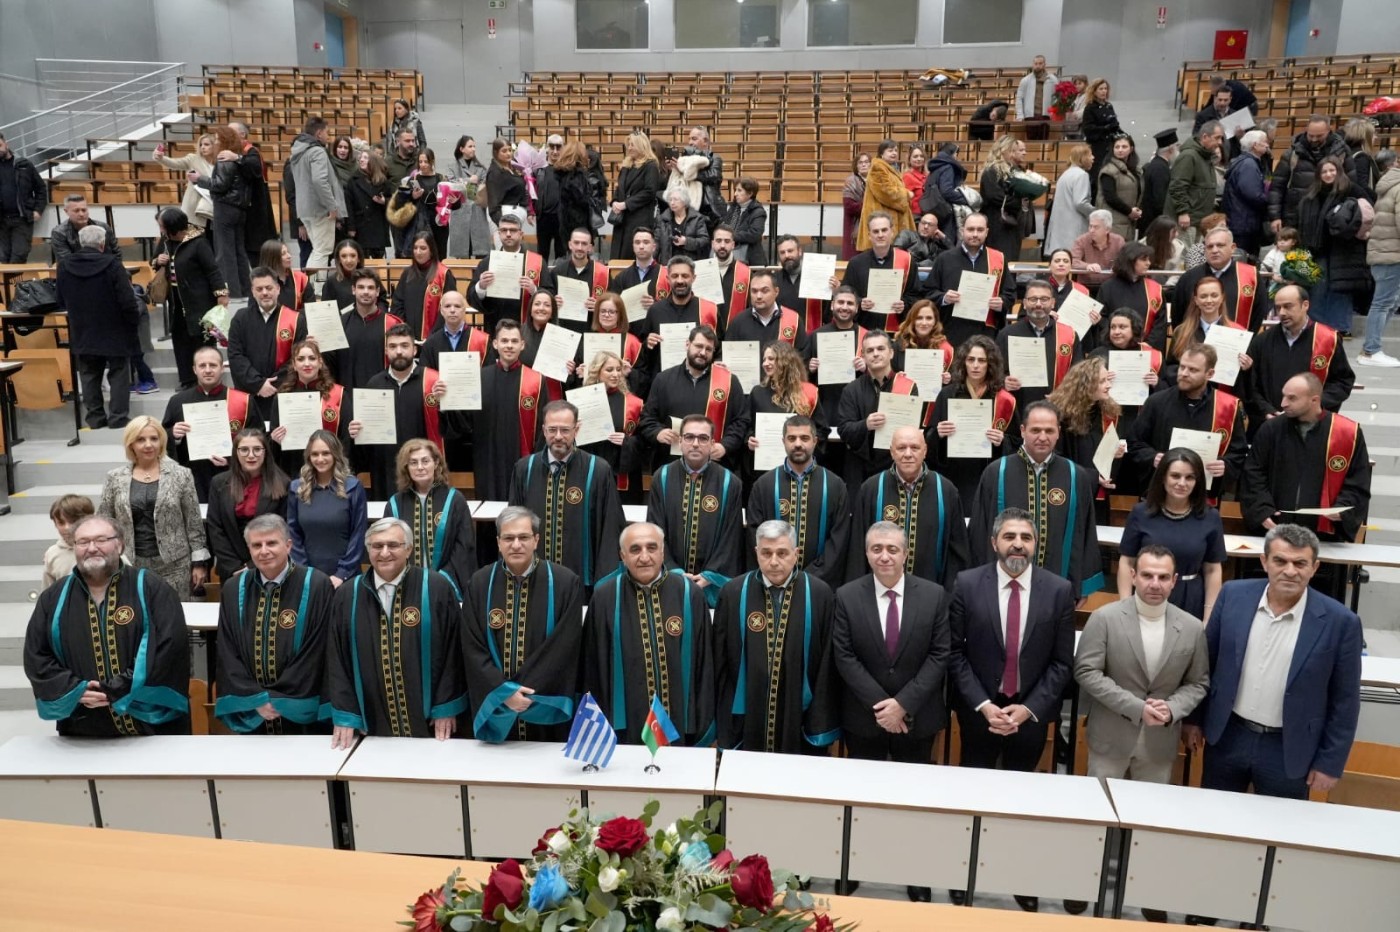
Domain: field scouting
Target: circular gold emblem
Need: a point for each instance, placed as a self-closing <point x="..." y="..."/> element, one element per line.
<point x="1337" y="463"/>
<point x="284" y="334"/>
<point x="891" y="513"/>
<point x="741" y="287"/>
<point x="1000" y="423"/>
<point x="330" y="415"/>
<point x="674" y="626"/>
<point x="124" y="614"/>
<point x="663" y="293"/>
<point x="1064" y="349"/>
<point x="528" y="402"/>
<point x="532" y="274"/>
<point x="719" y="394"/>
<point x="430" y="400"/>
<point x="629" y="427"/>
<point x="1319" y="362"/>
<point x="498" y="618"/>
<point x="1247" y="291"/>
<point x="784" y="506"/>
<point x="434" y="289"/>
<point x="287" y="619"/>
<point x="789" y="333"/>
<point x="597" y="291"/>
<point x="410" y="617"/>
<point x="1222" y="433"/>
<point x="758" y="622"/>
<point x="573" y="495"/>
<point x="710" y="504"/>
<point x="1056" y="497"/>
<point x="235" y="425"/>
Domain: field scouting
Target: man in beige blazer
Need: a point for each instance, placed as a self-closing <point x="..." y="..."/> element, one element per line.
<point x="1142" y="667"/>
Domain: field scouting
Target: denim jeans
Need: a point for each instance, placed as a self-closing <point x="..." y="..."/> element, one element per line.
<point x="1241" y="759"/>
<point x="1383" y="304"/>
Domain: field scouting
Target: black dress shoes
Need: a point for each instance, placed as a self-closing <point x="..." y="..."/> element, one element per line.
<point x="1030" y="904"/>
<point x="1154" y="915"/>
<point x="958" y="897"/>
<point x="1075" y="907"/>
<point x="920" y="894"/>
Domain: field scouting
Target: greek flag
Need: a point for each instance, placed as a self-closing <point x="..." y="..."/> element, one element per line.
<point x="591" y="739"/>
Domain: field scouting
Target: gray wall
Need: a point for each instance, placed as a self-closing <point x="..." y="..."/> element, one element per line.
<point x="224" y="32"/>
<point x="1366" y="26"/>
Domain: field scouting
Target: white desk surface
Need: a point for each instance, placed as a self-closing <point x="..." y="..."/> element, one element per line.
<point x="1290" y="823"/>
<point x="488" y="511"/>
<point x="915" y="786"/>
<point x="1240" y="545"/>
<point x="184" y="756"/>
<point x="1380" y="671"/>
<point x="527" y="763"/>
<point x="201" y="616"/>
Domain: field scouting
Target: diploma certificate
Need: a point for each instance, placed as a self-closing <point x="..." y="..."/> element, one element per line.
<point x="818" y="268"/>
<point x="556" y="350"/>
<point x="837" y="352"/>
<point x="300" y="413"/>
<point x="507" y="269"/>
<point x="975" y="293"/>
<point x="673" y="337"/>
<point x="595" y="421"/>
<point x="1076" y="309"/>
<point x="1025" y="357"/>
<point x="1229" y="343"/>
<point x="884" y="288"/>
<point x="374" y="410"/>
<point x="632" y="300"/>
<point x="461" y="373"/>
<point x="209" y="434"/>
<point x="595" y="343"/>
<point x="972" y="418"/>
<point x="1130" y="368"/>
<point x="708" y="286"/>
<point x="323" y="324"/>
<point x="1104" y="452"/>
<point x="899" y="411"/>
<point x="742" y="358"/>
<point x="768" y="430"/>
<point x="575" y="293"/>
<point x="925" y="366"/>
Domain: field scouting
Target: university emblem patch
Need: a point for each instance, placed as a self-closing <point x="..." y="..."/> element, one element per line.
<point x="1337" y="463"/>
<point x="674" y="626"/>
<point x="528" y="402"/>
<point x="284" y="334"/>
<point x="891" y="512"/>
<point x="719" y="394"/>
<point x="1056" y="497"/>
<point x="710" y="503"/>
<point x="1319" y="362"/>
<point x="498" y="618"/>
<point x="330" y="415"/>
<point x="287" y="619"/>
<point x="1065" y="349"/>
<point x="758" y="622"/>
<point x="573" y="495"/>
<point x="235" y="425"/>
<point x="410" y="617"/>
<point x="124" y="614"/>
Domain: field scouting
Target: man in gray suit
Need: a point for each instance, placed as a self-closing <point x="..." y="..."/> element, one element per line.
<point x="1142" y="667"/>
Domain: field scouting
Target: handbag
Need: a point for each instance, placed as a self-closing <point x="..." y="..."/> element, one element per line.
<point x="159" y="291"/>
<point x="35" y="296"/>
<point x="402" y="215"/>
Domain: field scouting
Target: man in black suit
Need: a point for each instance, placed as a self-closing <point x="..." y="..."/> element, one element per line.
<point x="1012" y="653"/>
<point x="890" y="644"/>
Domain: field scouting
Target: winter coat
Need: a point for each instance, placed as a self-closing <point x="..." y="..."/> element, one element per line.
<point x="749" y="222"/>
<point x="576" y="201"/>
<point x="1069" y="216"/>
<point x="1365" y="174"/>
<point x="711" y="177"/>
<point x="695" y="230"/>
<point x="1296" y="172"/>
<point x="31" y="194"/>
<point x="1246" y="200"/>
<point x="1192" y="188"/>
<point x="504" y="188"/>
<point x="470" y="229"/>
<point x="1100" y="126"/>
<point x="411" y="122"/>
<point x="1327" y="226"/>
<point x="367" y="221"/>
<point x="949" y="175"/>
<point x="260" y="225"/>
<point x="637" y="188"/>
<point x="1120" y="190"/>
<point x="1383" y="248"/>
<point x="63" y="241"/>
<point x="198" y="282"/>
<point x="318" y="190"/>
<point x="399" y="168"/>
<point x="199" y="209"/>
<point x="227" y="185"/>
<point x="102" y="308"/>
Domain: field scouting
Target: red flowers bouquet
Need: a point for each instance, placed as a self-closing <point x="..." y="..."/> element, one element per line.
<point x="616" y="876"/>
<point x="1062" y="99"/>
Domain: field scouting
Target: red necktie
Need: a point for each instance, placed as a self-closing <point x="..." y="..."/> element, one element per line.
<point x="892" y="625"/>
<point x="1010" y="677"/>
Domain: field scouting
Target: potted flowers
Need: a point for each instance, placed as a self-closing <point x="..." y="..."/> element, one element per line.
<point x="617" y="876"/>
<point x="1062" y="98"/>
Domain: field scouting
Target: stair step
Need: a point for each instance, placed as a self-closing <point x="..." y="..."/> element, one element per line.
<point x="23" y="722"/>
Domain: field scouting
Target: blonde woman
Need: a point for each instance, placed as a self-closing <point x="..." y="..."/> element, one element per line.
<point x="1002" y="206"/>
<point x="620" y="449"/>
<point x="884" y="190"/>
<point x="153" y="504"/>
<point x="634" y="195"/>
<point x="199" y="208"/>
<point x="785" y="390"/>
<point x="1069" y="217"/>
<point x="1360" y="137"/>
<point x="327" y="511"/>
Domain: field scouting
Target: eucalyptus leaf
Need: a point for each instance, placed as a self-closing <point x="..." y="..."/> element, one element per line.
<point x="597" y="906"/>
<point x="551" y="922"/>
<point x="460" y="923"/>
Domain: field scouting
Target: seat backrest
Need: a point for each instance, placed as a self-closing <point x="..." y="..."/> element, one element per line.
<point x="37" y="385"/>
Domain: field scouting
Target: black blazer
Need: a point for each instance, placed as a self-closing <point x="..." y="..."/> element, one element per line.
<point x="225" y="528"/>
<point x="920" y="667"/>
<point x="979" y="649"/>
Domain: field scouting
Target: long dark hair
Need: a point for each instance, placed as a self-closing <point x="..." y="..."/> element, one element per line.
<point x="1127" y="257"/>
<point x="1341" y="187"/>
<point x="996" y="368"/>
<point x="274" y="480"/>
<point x="461" y="144"/>
<point x="335" y="259"/>
<point x="1132" y="160"/>
<point x="1156" y="495"/>
<point x="1158" y="238"/>
<point x="430" y="269"/>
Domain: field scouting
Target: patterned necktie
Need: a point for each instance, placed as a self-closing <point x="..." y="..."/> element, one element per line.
<point x="892" y="624"/>
<point x="1010" y="677"/>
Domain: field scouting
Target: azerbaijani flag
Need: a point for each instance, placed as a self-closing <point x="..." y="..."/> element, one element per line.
<point x="658" y="731"/>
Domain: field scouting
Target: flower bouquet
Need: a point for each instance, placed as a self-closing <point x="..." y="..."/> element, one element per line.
<point x="1062" y="98"/>
<point x="1299" y="268"/>
<point x="614" y="876"/>
<point x="1027" y="184"/>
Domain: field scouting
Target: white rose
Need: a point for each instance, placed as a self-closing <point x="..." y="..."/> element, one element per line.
<point x="608" y="879"/>
<point x="670" y="920"/>
<point x="559" y="842"/>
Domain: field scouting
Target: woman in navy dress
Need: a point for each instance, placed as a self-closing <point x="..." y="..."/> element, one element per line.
<point x="1176" y="516"/>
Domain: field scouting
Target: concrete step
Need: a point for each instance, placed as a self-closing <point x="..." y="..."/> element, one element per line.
<point x="25" y="722"/>
<point x="15" y="693"/>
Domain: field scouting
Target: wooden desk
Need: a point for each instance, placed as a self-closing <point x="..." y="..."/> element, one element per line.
<point x="266" y="788"/>
<point x="513" y="790"/>
<point x="10" y="320"/>
<point x="916" y="824"/>
<point x="1289" y="863"/>
<point x="7" y="414"/>
<point x="162" y="882"/>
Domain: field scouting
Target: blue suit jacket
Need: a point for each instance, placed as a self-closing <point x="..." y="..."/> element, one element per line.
<point x="1323" y="697"/>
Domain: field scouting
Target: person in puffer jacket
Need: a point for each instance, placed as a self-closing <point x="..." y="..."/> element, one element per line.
<point x="1383" y="256"/>
<point x="1297" y="170"/>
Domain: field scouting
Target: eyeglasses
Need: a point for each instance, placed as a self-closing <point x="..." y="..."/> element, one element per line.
<point x="88" y="543"/>
<point x="696" y="438"/>
<point x="389" y="546"/>
<point x="250" y="451"/>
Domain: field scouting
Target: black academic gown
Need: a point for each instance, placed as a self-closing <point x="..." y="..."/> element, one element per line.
<point x="272" y="650"/>
<point x="747" y="326"/>
<point x="858" y="270"/>
<point x="496" y="430"/>
<point x="1275" y="362"/>
<point x="630" y="277"/>
<point x="444" y="538"/>
<point x="413" y="649"/>
<point x="945" y="277"/>
<point x="410" y="294"/>
<point x="859" y="400"/>
<point x="1286" y="470"/>
<point x="675" y="394"/>
<point x="815" y="505"/>
<point x="564" y="268"/>
<point x="410" y="423"/>
<point x="492" y="309"/>
<point x="203" y="470"/>
<point x="777" y="685"/>
<point x="1156" y="177"/>
<point x="966" y="472"/>
<point x="580" y="512"/>
<point x="437" y="343"/>
<point x="666" y="311"/>
<point x="1163" y="411"/>
<point x="644" y="641"/>
<point x="1053" y="351"/>
<point x="364" y="358"/>
<point x="789" y="295"/>
<point x="252" y="354"/>
<point x="701" y="521"/>
<point x="133" y="644"/>
<point x="932" y="519"/>
<point x="1061" y="500"/>
<point x="626" y="459"/>
<point x="225" y="526"/>
<point x="291" y="459"/>
<point x="829" y="396"/>
<point x="517" y="634"/>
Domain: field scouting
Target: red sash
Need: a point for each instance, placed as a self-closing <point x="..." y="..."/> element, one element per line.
<point x="1003" y="410"/>
<point x="901" y="265"/>
<point x="709" y="313"/>
<point x="478" y="342"/>
<point x="1324" y="347"/>
<point x="787" y="326"/>
<point x="631" y="417"/>
<point x="739" y="291"/>
<point x="1248" y="278"/>
<point x="1222" y="422"/>
<point x="902" y="384"/>
<point x="286" y="334"/>
<point x="534" y="268"/>
<point x="1082" y="289"/>
<point x="1064" y="351"/>
<point x="947" y="355"/>
<point x="809" y="398"/>
<point x="299" y="280"/>
<point x="631" y="349"/>
<point x="1341" y="447"/>
<point x="430" y="409"/>
<point x="996" y="265"/>
<point x="1154" y="303"/>
<point x="663" y="284"/>
<point x="600" y="279"/>
<point x="1154" y="357"/>
<point x="330" y="408"/>
<point x="237" y="410"/>
<point x="529" y="405"/>
<point x="717" y="402"/>
<point x="432" y="296"/>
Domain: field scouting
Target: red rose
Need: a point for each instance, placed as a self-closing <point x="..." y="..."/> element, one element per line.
<point x="425" y="911"/>
<point x="752" y="883"/>
<point x="623" y="837"/>
<point x="505" y="887"/>
<point x="722" y="860"/>
<point x="542" y="845"/>
<point x="823" y="924"/>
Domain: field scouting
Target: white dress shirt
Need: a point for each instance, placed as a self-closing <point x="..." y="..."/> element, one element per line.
<point x="1003" y="600"/>
<point x="882" y="602"/>
<point x="1267" y="657"/>
<point x="385" y="589"/>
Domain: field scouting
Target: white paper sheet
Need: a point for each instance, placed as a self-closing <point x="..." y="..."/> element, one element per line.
<point x="708" y="286"/>
<point x="507" y="269"/>
<point x="461" y="372"/>
<point x="1076" y="309"/>
<point x="1205" y="443"/>
<point x="972" y="418"/>
<point x="975" y="293"/>
<point x="575" y="293"/>
<point x="300" y="413"/>
<point x="899" y="411"/>
<point x="768" y="430"/>
<point x="1130" y="368"/>
<point x="556" y="350"/>
<point x="595" y="422"/>
<point x="1229" y="343"/>
<point x="374" y="410"/>
<point x="632" y="300"/>
<point x="837" y="352"/>
<point x="743" y="358"/>
<point x="1104" y="452"/>
<point x="885" y="287"/>
<point x="208" y="434"/>
<point x="818" y="268"/>
<point x="1025" y="357"/>
<point x="673" y="337"/>
<point x="925" y="367"/>
<point x="324" y="325"/>
<point x="595" y="343"/>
